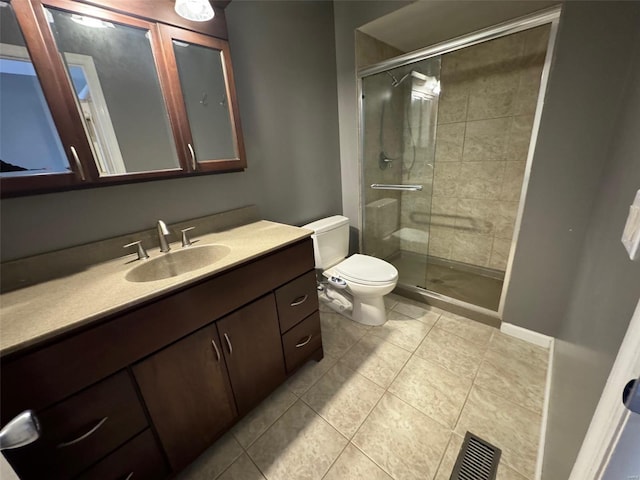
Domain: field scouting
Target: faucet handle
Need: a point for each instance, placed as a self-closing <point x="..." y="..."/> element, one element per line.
<point x="186" y="241"/>
<point x="142" y="253"/>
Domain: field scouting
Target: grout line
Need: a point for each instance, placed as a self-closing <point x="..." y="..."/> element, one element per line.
<point x="336" y="459"/>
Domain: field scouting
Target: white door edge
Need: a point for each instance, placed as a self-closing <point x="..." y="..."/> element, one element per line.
<point x="610" y="415"/>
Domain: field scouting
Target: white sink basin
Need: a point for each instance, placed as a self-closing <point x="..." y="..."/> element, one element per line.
<point x="177" y="262"/>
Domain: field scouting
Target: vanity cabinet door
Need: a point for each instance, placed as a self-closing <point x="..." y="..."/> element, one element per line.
<point x="187" y="392"/>
<point x="253" y="349"/>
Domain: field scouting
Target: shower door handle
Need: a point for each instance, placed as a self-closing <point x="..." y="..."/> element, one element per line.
<point x="383" y="186"/>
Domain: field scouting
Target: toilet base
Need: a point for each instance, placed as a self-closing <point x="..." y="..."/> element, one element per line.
<point x="369" y="310"/>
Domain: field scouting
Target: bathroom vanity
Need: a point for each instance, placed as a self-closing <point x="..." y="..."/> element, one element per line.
<point x="140" y="387"/>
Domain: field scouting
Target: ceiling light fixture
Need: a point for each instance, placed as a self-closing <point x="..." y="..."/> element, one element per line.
<point x="195" y="10"/>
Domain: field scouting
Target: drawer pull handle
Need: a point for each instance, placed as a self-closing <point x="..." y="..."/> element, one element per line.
<point x="215" y="347"/>
<point x="304" y="342"/>
<point x="83" y="436"/>
<point x="300" y="300"/>
<point x="226" y="337"/>
<point x="129" y="477"/>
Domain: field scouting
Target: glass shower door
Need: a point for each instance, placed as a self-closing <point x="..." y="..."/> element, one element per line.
<point x="399" y="116"/>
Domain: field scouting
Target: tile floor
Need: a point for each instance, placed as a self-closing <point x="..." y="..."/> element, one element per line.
<point x="391" y="402"/>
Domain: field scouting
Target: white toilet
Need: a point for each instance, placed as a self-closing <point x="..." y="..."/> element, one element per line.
<point x="368" y="279"/>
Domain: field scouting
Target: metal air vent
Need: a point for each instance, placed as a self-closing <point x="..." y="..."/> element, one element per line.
<point x="477" y="460"/>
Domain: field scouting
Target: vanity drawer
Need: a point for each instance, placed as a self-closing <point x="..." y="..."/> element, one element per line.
<point x="297" y="300"/>
<point x="301" y="341"/>
<point x="139" y="459"/>
<point x="81" y="429"/>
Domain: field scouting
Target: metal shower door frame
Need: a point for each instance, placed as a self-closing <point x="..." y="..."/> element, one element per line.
<point x="547" y="16"/>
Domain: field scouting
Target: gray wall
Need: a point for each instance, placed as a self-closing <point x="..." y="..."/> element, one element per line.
<point x="606" y="287"/>
<point x="283" y="56"/>
<point x="583" y="99"/>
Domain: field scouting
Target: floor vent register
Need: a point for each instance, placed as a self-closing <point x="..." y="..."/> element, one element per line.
<point x="477" y="460"/>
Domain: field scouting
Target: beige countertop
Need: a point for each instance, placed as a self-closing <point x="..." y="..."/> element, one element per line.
<point x="39" y="312"/>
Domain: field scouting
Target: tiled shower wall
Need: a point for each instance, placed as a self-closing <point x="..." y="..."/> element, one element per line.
<point x="485" y="117"/>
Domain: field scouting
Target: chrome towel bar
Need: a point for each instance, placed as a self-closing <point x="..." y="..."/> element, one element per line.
<point x="382" y="186"/>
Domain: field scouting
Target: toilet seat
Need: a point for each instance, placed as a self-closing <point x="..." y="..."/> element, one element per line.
<point x="366" y="270"/>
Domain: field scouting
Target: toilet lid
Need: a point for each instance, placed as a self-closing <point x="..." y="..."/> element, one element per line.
<point x="367" y="270"/>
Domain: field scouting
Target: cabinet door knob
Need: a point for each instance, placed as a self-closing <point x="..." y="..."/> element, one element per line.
<point x="84" y="435"/>
<point x="300" y="300"/>
<point x="215" y="347"/>
<point x="304" y="342"/>
<point x="226" y="337"/>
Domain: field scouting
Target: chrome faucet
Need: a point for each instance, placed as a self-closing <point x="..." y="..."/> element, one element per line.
<point x="163" y="233"/>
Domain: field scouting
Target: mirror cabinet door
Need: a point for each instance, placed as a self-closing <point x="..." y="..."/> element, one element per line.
<point x="38" y="145"/>
<point x="96" y="97"/>
<point x="112" y="68"/>
<point x="206" y="99"/>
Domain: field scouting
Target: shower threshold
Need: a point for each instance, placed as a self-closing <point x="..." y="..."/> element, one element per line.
<point x="464" y="284"/>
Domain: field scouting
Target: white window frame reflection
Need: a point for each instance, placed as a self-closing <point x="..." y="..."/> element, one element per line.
<point x="96" y="118"/>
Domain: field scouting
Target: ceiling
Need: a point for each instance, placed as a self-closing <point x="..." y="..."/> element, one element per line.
<point x="427" y="22"/>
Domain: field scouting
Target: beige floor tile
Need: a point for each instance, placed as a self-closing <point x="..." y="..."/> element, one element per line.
<point x="376" y="359"/>
<point x="299" y="445"/>
<point x="513" y="379"/>
<point x="214" y="460"/>
<point x="323" y="307"/>
<point x="511" y="428"/>
<point x="417" y="310"/>
<point x="508" y="473"/>
<point x="309" y="374"/>
<point x="262" y="417"/>
<point x="339" y="333"/>
<point x="403" y="441"/>
<point x="242" y="469"/>
<point x="471" y="330"/>
<point x="390" y="300"/>
<point x="433" y="390"/>
<point x="452" y="352"/>
<point x="355" y="465"/>
<point x="343" y="398"/>
<point x="512" y="347"/>
<point x="450" y="457"/>
<point x="401" y="330"/>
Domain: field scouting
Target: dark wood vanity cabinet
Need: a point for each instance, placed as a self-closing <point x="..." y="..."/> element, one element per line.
<point x="149" y="389"/>
<point x="187" y="392"/>
<point x="253" y="350"/>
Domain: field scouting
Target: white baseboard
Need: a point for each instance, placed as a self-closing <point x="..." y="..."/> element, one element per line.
<point x="530" y="336"/>
<point x="545" y="413"/>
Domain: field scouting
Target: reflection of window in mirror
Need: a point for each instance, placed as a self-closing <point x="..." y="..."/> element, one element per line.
<point x="29" y="142"/>
<point x="95" y="113"/>
<point x="114" y="77"/>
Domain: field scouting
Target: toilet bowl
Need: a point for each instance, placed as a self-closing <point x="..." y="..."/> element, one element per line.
<point x="366" y="278"/>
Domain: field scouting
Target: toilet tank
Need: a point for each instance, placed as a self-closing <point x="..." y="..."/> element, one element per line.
<point x="330" y="240"/>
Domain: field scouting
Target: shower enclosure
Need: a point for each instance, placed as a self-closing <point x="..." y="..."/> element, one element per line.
<point x="445" y="140"/>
